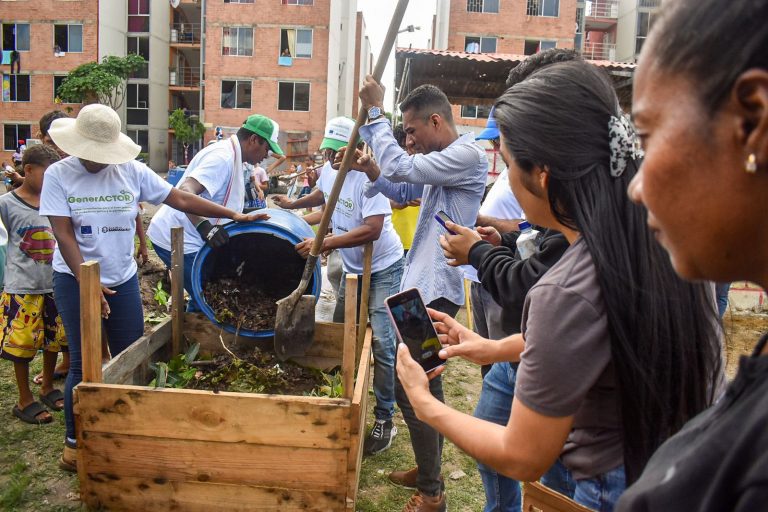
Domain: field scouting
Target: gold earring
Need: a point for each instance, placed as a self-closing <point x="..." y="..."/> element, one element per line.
<point x="751" y="164"/>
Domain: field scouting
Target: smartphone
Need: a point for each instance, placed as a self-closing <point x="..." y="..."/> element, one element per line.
<point x="442" y="218"/>
<point x="414" y="328"/>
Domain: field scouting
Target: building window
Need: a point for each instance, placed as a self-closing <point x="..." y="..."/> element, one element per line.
<point x="483" y="6"/>
<point x="140" y="137"/>
<point x="480" y="44"/>
<point x="475" y="111"/>
<point x="138" y="15"/>
<point x="137" y="104"/>
<point x="13" y="133"/>
<point x="238" y="1"/>
<point x="298" y="2"/>
<point x="645" y="21"/>
<point x="16" y="88"/>
<point x="535" y="46"/>
<point x="237" y="41"/>
<point x="543" y="8"/>
<point x="16" y="36"/>
<point x="57" y="81"/>
<point x="293" y="96"/>
<point x="68" y="38"/>
<point x="296" y="42"/>
<point x="140" y="46"/>
<point x="235" y="94"/>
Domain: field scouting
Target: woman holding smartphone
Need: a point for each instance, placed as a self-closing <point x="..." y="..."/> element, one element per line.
<point x="616" y="352"/>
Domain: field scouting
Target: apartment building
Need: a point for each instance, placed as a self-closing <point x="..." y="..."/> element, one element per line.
<point x="292" y="60"/>
<point x="297" y="61"/>
<point x="51" y="38"/>
<point x="614" y="30"/>
<point x="519" y="27"/>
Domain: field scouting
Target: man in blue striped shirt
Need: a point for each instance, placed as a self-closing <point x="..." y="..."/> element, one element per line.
<point x="448" y="173"/>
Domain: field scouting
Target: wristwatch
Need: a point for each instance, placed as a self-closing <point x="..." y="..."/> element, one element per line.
<point x="374" y="113"/>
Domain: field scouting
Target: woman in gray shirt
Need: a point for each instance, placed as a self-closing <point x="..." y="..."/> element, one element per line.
<point x="616" y="351"/>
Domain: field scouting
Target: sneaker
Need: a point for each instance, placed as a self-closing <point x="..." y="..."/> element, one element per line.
<point x="380" y="437"/>
<point x="422" y="503"/>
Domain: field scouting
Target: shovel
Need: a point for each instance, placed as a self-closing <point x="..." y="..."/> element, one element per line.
<point x="295" y="318"/>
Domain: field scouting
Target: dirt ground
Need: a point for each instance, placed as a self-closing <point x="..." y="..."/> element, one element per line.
<point x="742" y="330"/>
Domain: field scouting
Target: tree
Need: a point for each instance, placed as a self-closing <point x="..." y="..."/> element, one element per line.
<point x="186" y="129"/>
<point x="102" y="82"/>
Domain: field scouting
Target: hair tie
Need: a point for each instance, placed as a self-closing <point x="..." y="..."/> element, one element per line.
<point x="624" y="143"/>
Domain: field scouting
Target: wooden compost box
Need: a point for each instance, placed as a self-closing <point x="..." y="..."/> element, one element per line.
<point x="144" y="449"/>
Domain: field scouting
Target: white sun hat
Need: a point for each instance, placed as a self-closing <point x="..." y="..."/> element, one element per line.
<point x="94" y="135"/>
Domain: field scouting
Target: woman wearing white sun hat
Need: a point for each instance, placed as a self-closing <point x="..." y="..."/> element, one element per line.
<point x="91" y="199"/>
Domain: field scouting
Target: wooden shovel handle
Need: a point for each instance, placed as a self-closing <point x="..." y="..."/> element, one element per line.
<point x="346" y="162"/>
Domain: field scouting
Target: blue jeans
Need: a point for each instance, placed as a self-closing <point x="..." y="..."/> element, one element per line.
<point x="189" y="259"/>
<point x="124" y="326"/>
<point x="383" y="284"/>
<point x="721" y="294"/>
<point x="502" y="494"/>
<point x="601" y="493"/>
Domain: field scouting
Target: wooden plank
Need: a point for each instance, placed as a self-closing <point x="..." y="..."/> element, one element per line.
<point x="158" y="495"/>
<point x="129" y="365"/>
<point x="199" y="329"/>
<point x="357" y="416"/>
<point x="350" y="336"/>
<point x="90" y="321"/>
<point x="364" y="297"/>
<point x="107" y="456"/>
<point x="539" y="498"/>
<point x="177" y="288"/>
<point x="329" y="341"/>
<point x="287" y="421"/>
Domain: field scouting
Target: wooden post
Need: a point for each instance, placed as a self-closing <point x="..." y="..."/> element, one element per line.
<point x="364" y="298"/>
<point x="177" y="288"/>
<point x="90" y="321"/>
<point x="468" y="302"/>
<point x="350" y="336"/>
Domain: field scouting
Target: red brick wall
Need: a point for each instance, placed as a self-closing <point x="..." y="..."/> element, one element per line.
<point x="268" y="16"/>
<point x="40" y="62"/>
<point x="511" y="25"/>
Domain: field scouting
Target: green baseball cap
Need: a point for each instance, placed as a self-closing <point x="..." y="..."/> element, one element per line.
<point x="267" y="128"/>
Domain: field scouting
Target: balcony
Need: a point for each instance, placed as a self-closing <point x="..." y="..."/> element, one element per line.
<point x="185" y="77"/>
<point x="604" y="9"/>
<point x="649" y="3"/>
<point x="185" y="34"/>
<point x="599" y="51"/>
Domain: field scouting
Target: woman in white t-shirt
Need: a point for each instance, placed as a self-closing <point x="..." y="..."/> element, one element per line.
<point x="92" y="199"/>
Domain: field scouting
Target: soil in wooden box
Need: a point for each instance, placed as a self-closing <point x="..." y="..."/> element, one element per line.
<point x="255" y="372"/>
<point x="243" y="280"/>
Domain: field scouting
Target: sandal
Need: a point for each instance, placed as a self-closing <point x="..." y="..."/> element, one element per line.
<point x="51" y="398"/>
<point x="68" y="459"/>
<point x="30" y="413"/>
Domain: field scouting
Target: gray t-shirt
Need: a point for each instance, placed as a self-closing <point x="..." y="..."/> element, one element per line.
<point x="566" y="368"/>
<point x="31" y="243"/>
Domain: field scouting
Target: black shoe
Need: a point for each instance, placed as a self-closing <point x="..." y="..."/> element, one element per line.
<point x="380" y="437"/>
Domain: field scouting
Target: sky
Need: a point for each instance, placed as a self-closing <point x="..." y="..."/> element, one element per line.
<point x="378" y="13"/>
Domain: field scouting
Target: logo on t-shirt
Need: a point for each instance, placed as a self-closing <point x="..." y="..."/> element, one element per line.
<point x="123" y="196"/>
<point x="86" y="231"/>
<point x="38" y="243"/>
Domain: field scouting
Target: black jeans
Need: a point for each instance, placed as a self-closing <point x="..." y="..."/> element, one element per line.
<point x="427" y="443"/>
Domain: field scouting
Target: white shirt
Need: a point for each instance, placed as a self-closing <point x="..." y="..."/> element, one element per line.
<point x="219" y="169"/>
<point x="500" y="203"/>
<point x="351" y="210"/>
<point x="102" y="207"/>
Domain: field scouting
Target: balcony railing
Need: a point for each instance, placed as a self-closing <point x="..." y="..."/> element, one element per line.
<point x="185" y="33"/>
<point x="187" y="113"/>
<point x="599" y="51"/>
<point x="649" y="3"/>
<point x="602" y="9"/>
<point x="185" y="77"/>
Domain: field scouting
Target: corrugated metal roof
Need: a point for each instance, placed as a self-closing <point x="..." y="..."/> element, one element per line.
<point x="472" y="78"/>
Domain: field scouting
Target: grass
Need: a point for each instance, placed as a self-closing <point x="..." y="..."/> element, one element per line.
<point x="30" y="479"/>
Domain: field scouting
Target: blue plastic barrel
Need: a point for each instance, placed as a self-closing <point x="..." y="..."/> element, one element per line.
<point x="264" y="252"/>
<point x="174" y="175"/>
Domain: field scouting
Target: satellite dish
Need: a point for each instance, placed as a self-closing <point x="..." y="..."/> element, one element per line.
<point x="175" y="3"/>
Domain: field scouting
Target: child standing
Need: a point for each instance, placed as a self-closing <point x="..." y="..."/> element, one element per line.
<point x="29" y="317"/>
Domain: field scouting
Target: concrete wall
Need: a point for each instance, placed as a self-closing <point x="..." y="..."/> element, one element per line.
<point x="626" y="28"/>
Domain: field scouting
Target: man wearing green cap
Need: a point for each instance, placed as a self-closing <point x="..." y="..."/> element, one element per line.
<point x="216" y="173"/>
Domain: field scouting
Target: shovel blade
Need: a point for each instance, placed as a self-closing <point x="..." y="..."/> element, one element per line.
<point x="294" y="327"/>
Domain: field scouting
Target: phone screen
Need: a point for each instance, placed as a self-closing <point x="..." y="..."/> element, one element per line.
<point x="442" y="218"/>
<point x="414" y="328"/>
